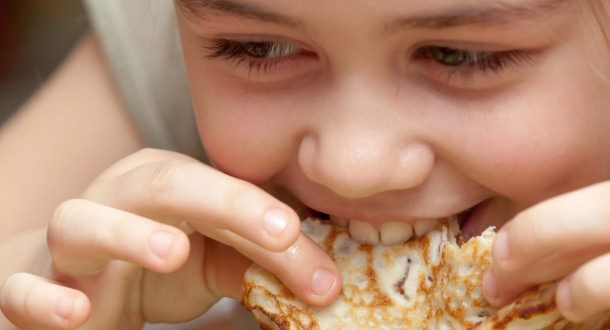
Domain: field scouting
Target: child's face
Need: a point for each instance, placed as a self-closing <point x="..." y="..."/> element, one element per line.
<point x="400" y="109"/>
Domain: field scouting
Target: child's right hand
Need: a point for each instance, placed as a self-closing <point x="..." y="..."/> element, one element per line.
<point x="119" y="258"/>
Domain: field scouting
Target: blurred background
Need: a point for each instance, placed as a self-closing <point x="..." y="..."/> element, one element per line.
<point x="35" y="35"/>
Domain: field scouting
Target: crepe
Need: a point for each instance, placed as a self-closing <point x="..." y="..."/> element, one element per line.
<point x="432" y="282"/>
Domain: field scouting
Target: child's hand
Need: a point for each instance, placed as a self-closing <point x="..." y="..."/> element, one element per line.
<point x="119" y="258"/>
<point x="565" y="238"/>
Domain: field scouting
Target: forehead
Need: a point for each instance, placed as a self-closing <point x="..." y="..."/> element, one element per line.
<point x="416" y="13"/>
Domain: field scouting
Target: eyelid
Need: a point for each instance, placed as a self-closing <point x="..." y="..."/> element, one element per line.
<point x="462" y="75"/>
<point x="499" y="68"/>
<point x="465" y="45"/>
<point x="264" y="69"/>
<point x="244" y="37"/>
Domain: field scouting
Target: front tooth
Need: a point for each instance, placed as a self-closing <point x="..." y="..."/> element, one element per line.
<point x="363" y="232"/>
<point x="423" y="227"/>
<point x="339" y="221"/>
<point x="393" y="233"/>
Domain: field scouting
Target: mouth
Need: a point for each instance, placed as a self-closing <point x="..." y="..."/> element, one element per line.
<point x="390" y="233"/>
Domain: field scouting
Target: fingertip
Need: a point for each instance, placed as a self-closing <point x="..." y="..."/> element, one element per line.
<point x="501" y="249"/>
<point x="34" y="302"/>
<point x="170" y="250"/>
<point x="281" y="229"/>
<point x="325" y="287"/>
<point x="72" y="310"/>
<point x="275" y="222"/>
<point x="491" y="289"/>
<point x="495" y="294"/>
<point x="565" y="302"/>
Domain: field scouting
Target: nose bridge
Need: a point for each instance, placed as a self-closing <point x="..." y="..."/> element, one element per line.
<point x="358" y="148"/>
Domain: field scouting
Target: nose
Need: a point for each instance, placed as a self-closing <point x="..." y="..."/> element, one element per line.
<point x="365" y="138"/>
<point x="357" y="162"/>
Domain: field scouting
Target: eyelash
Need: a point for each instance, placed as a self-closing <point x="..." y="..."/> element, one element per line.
<point x="241" y="51"/>
<point x="473" y="62"/>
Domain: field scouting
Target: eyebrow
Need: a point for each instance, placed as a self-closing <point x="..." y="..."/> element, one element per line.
<point x="496" y="14"/>
<point x="233" y="8"/>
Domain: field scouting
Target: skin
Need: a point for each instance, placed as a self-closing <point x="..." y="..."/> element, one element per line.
<point x="358" y="127"/>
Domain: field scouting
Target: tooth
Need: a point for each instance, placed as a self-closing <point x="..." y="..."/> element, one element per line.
<point x="423" y="227"/>
<point x="339" y="221"/>
<point x="393" y="233"/>
<point x="363" y="232"/>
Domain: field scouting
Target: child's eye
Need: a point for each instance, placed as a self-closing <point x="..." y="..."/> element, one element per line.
<point x="258" y="55"/>
<point x="458" y="67"/>
<point x="255" y="49"/>
<point x="467" y="63"/>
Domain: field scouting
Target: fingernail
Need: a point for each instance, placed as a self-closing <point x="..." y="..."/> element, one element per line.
<point x="564" y="296"/>
<point x="275" y="222"/>
<point x="501" y="246"/>
<point x="490" y="286"/>
<point x="161" y="243"/>
<point x="63" y="306"/>
<point x="322" y="281"/>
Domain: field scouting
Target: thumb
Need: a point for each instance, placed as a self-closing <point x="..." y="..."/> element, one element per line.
<point x="224" y="270"/>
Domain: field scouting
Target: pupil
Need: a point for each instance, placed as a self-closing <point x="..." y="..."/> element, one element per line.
<point x="449" y="56"/>
<point x="258" y="49"/>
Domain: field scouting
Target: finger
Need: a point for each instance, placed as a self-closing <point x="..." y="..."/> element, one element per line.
<point x="565" y="225"/>
<point x="83" y="236"/>
<point x="543" y="229"/>
<point x="136" y="159"/>
<point x="304" y="268"/>
<point x="195" y="293"/>
<point x="587" y="291"/>
<point x="182" y="189"/>
<point x="509" y="286"/>
<point x="33" y="302"/>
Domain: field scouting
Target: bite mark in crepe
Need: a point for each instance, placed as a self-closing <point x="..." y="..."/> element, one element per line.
<point x="432" y="282"/>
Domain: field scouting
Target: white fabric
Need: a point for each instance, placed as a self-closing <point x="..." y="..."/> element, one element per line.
<point x="141" y="43"/>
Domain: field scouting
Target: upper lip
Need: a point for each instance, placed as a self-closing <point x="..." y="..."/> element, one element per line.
<point x="378" y="217"/>
<point x="392" y="206"/>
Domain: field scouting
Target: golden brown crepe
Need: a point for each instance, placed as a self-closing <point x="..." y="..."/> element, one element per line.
<point x="432" y="282"/>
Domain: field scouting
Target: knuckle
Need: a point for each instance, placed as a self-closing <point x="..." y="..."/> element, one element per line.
<point x="153" y="154"/>
<point x="149" y="153"/>
<point x="63" y="215"/>
<point x="115" y="235"/>
<point x="13" y="289"/>
<point x="236" y="199"/>
<point x="12" y="281"/>
<point x="165" y="178"/>
<point x="539" y="235"/>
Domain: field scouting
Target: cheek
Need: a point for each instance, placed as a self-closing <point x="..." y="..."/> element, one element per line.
<point x="543" y="145"/>
<point x="242" y="134"/>
<point x="242" y="138"/>
<point x="252" y="136"/>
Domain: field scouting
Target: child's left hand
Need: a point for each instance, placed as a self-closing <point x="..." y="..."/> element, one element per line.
<point x="566" y="238"/>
